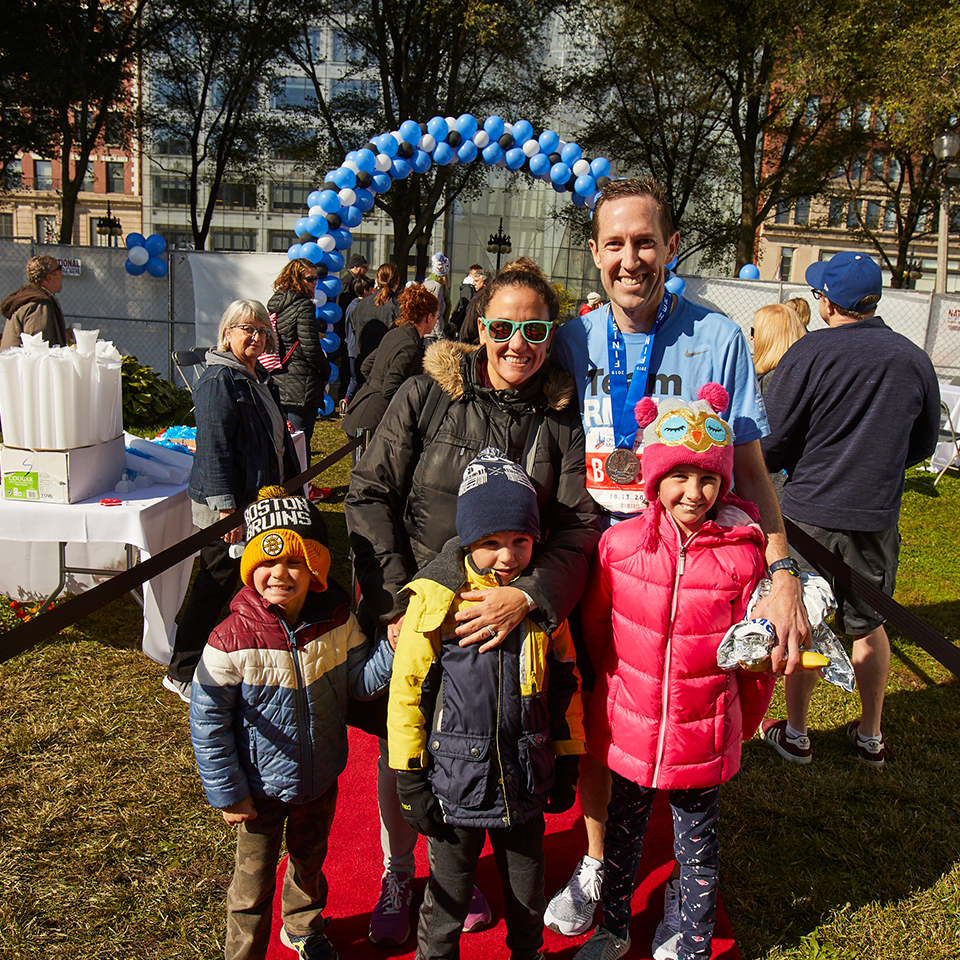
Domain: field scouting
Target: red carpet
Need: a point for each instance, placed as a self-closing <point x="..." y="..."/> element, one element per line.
<point x="354" y="867"/>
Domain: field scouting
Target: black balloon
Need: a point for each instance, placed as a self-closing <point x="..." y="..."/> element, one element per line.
<point x="306" y="238"/>
<point x="602" y="182"/>
<point x="554" y="158"/>
<point x="330" y="185"/>
<point x="364" y="179"/>
<point x="454" y="138"/>
<point x="334" y="220"/>
<point x="506" y="141"/>
<point x="406" y="150"/>
<point x="372" y="147"/>
<point x="321" y="270"/>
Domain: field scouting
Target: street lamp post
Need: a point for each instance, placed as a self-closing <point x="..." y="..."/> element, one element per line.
<point x="945" y="149"/>
<point x="110" y="227"/>
<point x="499" y="244"/>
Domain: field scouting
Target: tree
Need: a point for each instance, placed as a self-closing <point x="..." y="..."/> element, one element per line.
<point x="71" y="67"/>
<point x="211" y="82"/>
<point x="412" y="60"/>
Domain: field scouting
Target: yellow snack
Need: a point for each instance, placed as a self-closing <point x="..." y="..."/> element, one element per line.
<point x="809" y="660"/>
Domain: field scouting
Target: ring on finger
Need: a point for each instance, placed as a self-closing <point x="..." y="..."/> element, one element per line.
<point x="491" y="632"/>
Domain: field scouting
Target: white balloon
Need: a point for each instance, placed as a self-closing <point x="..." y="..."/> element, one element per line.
<point x="330" y="328"/>
<point x="508" y="127"/>
<point x="481" y="138"/>
<point x="428" y="142"/>
<point x="383" y="163"/>
<point x="531" y="148"/>
<point x="347" y="197"/>
<point x="319" y="298"/>
<point x="581" y="167"/>
<point x="316" y="210"/>
<point x="561" y="145"/>
<point x="138" y="255"/>
<point x="351" y="166"/>
<point x="326" y="243"/>
<point x="451" y="123"/>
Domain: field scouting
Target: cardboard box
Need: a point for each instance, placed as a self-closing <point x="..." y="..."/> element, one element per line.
<point x="61" y="476"/>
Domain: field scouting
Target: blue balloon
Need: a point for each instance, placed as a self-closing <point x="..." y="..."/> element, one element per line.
<point x="466" y="125"/>
<point x="331" y="286"/>
<point x="334" y="374"/>
<point x="570" y="154"/>
<point x="134" y="269"/>
<point x="381" y="182"/>
<point x="492" y="153"/>
<point x="388" y="145"/>
<point x="443" y="153"/>
<point x="420" y="161"/>
<point x="333" y="260"/>
<point x="364" y="201"/>
<point x="351" y="156"/>
<point x="600" y="167"/>
<point x="343" y="237"/>
<point x="157" y="267"/>
<point x="559" y="173"/>
<point x="300" y="227"/>
<point x="437" y="128"/>
<point x="310" y="251"/>
<point x="344" y="177"/>
<point x="135" y="240"/>
<point x="549" y="141"/>
<point x="584" y="185"/>
<point x="539" y="164"/>
<point x="675" y="285"/>
<point x="316" y="225"/>
<point x="578" y="201"/>
<point x="313" y="198"/>
<point x="400" y="168"/>
<point x="672" y="265"/>
<point x="749" y="271"/>
<point x="559" y="187"/>
<point x="330" y="342"/>
<point x="155" y="245"/>
<point x="295" y="251"/>
<point x="494" y="126"/>
<point x="327" y="404"/>
<point x="515" y="158"/>
<point x="366" y="160"/>
<point x="329" y="201"/>
<point x="522" y="131"/>
<point x="351" y="216"/>
<point x="467" y="152"/>
<point x="410" y="132"/>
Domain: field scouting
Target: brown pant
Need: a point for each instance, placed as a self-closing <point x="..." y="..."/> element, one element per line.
<point x="250" y="897"/>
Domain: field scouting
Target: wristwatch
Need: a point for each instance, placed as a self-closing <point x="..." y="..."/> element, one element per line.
<point x="788" y="564"/>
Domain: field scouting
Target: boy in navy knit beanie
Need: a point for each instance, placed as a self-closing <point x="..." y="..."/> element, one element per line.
<point x="483" y="742"/>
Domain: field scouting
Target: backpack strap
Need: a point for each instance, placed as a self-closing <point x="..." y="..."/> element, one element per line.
<point x="432" y="413"/>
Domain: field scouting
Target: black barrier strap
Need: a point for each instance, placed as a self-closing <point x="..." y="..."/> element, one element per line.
<point x="910" y="625"/>
<point x="27" y="635"/>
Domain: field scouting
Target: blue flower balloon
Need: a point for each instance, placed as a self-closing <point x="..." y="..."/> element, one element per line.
<point x="676" y="286"/>
<point x="539" y="164"/>
<point x="443" y="154"/>
<point x="492" y="153"/>
<point x="400" y="169"/>
<point x="343" y="237"/>
<point x="333" y="260"/>
<point x="522" y="131"/>
<point x="515" y="158"/>
<point x="344" y="177"/>
<point x="560" y="173"/>
<point x="329" y="201"/>
<point x="364" y="201"/>
<point x="466" y="125"/>
<point x="570" y="154"/>
<point x="155" y="245"/>
<point x="494" y="127"/>
<point x="331" y="286"/>
<point x="134" y="269"/>
<point x="328" y="405"/>
<point x="134" y="240"/>
<point x="467" y="151"/>
<point x="549" y="141"/>
<point x="381" y="182"/>
<point x="351" y="216"/>
<point x="157" y="267"/>
<point x="437" y="128"/>
<point x="295" y="251"/>
<point x="749" y="271"/>
<point x="600" y="167"/>
<point x="420" y="161"/>
<point x="584" y="185"/>
<point x="410" y="132"/>
<point x="330" y="343"/>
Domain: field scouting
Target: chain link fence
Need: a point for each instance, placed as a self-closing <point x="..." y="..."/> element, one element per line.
<point x="149" y="318"/>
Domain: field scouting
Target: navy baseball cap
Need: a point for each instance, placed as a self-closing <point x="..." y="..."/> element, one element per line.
<point x="847" y="279"/>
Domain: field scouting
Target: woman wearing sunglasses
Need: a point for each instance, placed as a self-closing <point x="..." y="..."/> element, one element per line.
<point x="401" y="506"/>
<point x="304" y="370"/>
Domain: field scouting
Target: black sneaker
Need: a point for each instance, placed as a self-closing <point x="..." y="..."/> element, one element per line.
<point x="313" y="947"/>
<point x="873" y="752"/>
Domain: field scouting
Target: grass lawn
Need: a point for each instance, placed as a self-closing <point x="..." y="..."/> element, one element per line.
<point x="109" y="850"/>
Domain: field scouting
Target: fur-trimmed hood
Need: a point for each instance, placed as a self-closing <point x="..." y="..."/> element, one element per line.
<point x="455" y="366"/>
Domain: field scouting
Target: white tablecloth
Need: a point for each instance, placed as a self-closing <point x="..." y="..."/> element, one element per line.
<point x="151" y="519"/>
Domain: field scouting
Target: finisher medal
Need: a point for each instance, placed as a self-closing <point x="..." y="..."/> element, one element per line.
<point x="622" y="466"/>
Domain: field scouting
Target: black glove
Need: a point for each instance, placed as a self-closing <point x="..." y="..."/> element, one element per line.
<point x="561" y="795"/>
<point x="420" y="807"/>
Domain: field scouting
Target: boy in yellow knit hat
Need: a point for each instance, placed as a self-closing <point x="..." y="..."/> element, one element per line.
<point x="266" y="718"/>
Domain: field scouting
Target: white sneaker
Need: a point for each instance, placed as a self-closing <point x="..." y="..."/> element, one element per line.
<point x="667" y="936"/>
<point x="571" y="911"/>
<point x="180" y="687"/>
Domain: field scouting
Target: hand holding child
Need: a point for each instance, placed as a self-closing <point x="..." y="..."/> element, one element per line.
<point x="237" y="813"/>
<point x="498" y="612"/>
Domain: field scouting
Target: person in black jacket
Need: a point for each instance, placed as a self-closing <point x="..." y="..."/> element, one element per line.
<point x="399" y="356"/>
<point x="374" y="315"/>
<point x="402" y="503"/>
<point x="305" y="368"/>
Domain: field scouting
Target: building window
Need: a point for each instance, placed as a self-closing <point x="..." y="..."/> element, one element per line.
<point x="113" y="130"/>
<point x="296" y="92"/>
<point x="233" y="238"/>
<point x="114" y="177"/>
<point x="13" y="175"/>
<point x="786" y="264"/>
<point x="878" y="164"/>
<point x="811" y="112"/>
<point x="178" y="237"/>
<point x="872" y="219"/>
<point x="802" y="215"/>
<point x="783" y="212"/>
<point x="344" y="49"/>
<point x="236" y="196"/>
<point x="863" y="116"/>
<point x="890" y="217"/>
<point x="42" y="175"/>
<point x="279" y="241"/>
<point x="852" y="215"/>
<point x="289" y="198"/>
<point x="856" y="169"/>
<point x="172" y="146"/>
<point x="835" y="214"/>
<point x="47" y="229"/>
<point x="89" y="181"/>
<point x="894" y="175"/>
<point x="354" y="92"/>
<point x="171" y="192"/>
<point x="6" y="226"/>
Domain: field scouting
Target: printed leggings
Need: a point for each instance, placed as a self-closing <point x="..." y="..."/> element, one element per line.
<point x="697" y="849"/>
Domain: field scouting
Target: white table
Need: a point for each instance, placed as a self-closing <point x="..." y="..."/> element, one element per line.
<point x="150" y="519"/>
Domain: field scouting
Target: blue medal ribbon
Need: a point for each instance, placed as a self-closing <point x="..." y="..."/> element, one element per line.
<point x="623" y="399"/>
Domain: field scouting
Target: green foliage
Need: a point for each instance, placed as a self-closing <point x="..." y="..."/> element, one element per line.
<point x="148" y="399"/>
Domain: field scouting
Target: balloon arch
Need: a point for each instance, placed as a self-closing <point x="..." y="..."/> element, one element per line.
<point x="348" y="192"/>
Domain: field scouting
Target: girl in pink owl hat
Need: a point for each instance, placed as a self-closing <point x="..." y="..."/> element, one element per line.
<point x="665" y="588"/>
